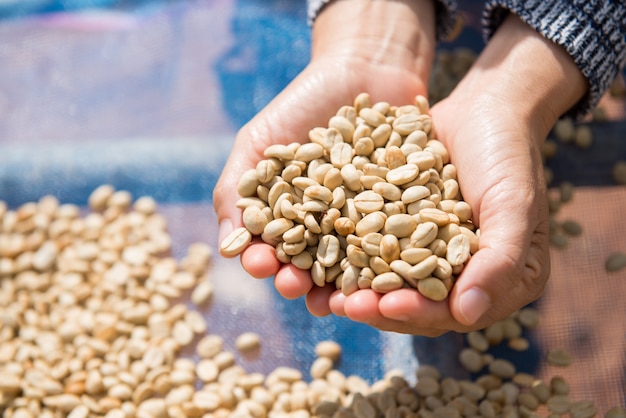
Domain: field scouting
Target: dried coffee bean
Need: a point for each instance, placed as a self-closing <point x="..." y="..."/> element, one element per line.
<point x="328" y="250"/>
<point x="471" y="360"/>
<point x="372" y="222"/>
<point x="235" y="242"/>
<point x="403" y="174"/>
<point x="255" y="220"/>
<point x="432" y="288"/>
<point x="559" y="404"/>
<point x="368" y="202"/>
<point x="559" y="357"/>
<point x="458" y="251"/>
<point x="308" y="152"/>
<point x="619" y="172"/>
<point x="248" y="342"/>
<point x="616" y="412"/>
<point x="424" y="234"/>
<point x="615" y="262"/>
<point x="400" y="225"/>
<point x="389" y="248"/>
<point x="415" y="255"/>
<point x="386" y="282"/>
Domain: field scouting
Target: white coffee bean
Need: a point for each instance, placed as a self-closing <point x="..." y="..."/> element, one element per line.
<point x="255" y="220"/>
<point x="371" y="243"/>
<point x="424" y="268"/>
<point x="559" y="357"/>
<point x="265" y="170"/>
<point x="308" y="152"/>
<point x="317" y="192"/>
<point x="424" y="234"/>
<point x="458" y="251"/>
<point x="328" y="250"/>
<point x="387" y="190"/>
<point x="248" y="342"/>
<point x="248" y="183"/>
<point x="277" y="190"/>
<point x="349" y="281"/>
<point x="381" y="134"/>
<point x="389" y="248"/>
<point x="372" y="222"/>
<point x="279" y="151"/>
<point x="386" y="282"/>
<point x="235" y="242"/>
<point x="356" y="256"/>
<point x="403" y="269"/>
<point x="437" y="216"/>
<point x="407" y="123"/>
<point x="368" y="202"/>
<point x="351" y="177"/>
<point x="372" y="117"/>
<point x="343" y="125"/>
<point x="432" y="288"/>
<point x="341" y="154"/>
<point x="378" y="265"/>
<point x="401" y="225"/>
<point x="403" y="174"/>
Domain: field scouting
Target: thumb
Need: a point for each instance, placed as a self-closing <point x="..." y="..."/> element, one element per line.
<point x="242" y="158"/>
<point x="506" y="273"/>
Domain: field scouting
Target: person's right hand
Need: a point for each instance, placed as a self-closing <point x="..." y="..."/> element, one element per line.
<point x="382" y="48"/>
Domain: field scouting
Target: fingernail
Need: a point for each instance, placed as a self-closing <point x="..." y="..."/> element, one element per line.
<point x="226" y="227"/>
<point x="473" y="305"/>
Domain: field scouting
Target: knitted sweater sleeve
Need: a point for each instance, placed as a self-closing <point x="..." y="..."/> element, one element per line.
<point x="445" y="11"/>
<point x="592" y="32"/>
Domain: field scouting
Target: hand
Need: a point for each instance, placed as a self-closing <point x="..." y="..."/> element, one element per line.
<point x="383" y="48"/>
<point x="493" y="125"/>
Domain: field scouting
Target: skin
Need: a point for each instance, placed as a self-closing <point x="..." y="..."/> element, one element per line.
<point x="493" y="125"/>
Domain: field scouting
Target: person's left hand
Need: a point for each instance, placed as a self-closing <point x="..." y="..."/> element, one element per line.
<point x="501" y="176"/>
<point x="493" y="125"/>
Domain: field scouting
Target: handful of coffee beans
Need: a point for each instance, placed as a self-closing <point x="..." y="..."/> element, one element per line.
<point x="371" y="201"/>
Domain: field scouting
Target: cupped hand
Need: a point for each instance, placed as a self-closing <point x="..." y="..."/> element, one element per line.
<point x="500" y="173"/>
<point x="493" y="125"/>
<point x="384" y="49"/>
<point x="309" y="101"/>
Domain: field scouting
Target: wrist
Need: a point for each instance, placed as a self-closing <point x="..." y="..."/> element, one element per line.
<point x="394" y="33"/>
<point x="527" y="74"/>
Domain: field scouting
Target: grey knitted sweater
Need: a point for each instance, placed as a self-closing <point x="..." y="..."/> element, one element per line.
<point x="592" y="31"/>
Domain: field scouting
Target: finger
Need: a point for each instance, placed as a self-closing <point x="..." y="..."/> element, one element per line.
<point x="363" y="306"/>
<point x="225" y="194"/>
<point x="317" y="300"/>
<point x="259" y="260"/>
<point x="509" y="271"/>
<point x="292" y="282"/>
<point x="408" y="305"/>
<point x="336" y="303"/>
